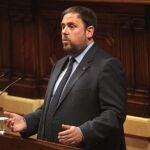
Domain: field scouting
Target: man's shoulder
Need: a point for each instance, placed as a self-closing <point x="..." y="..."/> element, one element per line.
<point x="102" y="56"/>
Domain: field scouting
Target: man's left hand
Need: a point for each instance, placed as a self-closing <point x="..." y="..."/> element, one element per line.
<point x="71" y="135"/>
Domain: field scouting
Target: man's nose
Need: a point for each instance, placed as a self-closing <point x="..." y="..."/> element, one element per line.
<point x="65" y="30"/>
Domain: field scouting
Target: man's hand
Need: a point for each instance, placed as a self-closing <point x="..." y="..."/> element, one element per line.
<point x="70" y="136"/>
<point x="15" y="122"/>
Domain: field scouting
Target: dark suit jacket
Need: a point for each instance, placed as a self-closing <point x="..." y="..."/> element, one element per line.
<point x="94" y="99"/>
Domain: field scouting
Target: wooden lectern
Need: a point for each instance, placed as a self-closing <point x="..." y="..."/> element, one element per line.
<point x="13" y="142"/>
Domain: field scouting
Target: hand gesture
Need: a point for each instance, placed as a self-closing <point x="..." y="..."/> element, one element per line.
<point x="15" y="122"/>
<point x="70" y="136"/>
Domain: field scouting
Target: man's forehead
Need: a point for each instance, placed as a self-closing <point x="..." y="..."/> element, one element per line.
<point x="70" y="17"/>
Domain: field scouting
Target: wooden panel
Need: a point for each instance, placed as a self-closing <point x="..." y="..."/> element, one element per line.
<point x="21" y="54"/>
<point x="30" y="44"/>
<point x="5" y="58"/>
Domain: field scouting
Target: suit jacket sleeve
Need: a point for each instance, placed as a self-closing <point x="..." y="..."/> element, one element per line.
<point x="112" y="101"/>
<point x="32" y="121"/>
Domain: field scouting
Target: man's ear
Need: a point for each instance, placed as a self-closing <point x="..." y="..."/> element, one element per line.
<point x="90" y="32"/>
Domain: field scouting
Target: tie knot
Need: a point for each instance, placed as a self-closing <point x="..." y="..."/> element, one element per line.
<point x="71" y="61"/>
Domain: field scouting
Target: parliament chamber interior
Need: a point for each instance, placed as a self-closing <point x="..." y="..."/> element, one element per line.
<point x="30" y="45"/>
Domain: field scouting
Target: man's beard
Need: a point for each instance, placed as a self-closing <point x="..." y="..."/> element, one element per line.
<point x="73" y="49"/>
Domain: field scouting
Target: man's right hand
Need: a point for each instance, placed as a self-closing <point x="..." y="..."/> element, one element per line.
<point x="15" y="122"/>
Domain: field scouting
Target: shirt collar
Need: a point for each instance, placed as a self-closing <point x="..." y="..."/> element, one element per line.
<point x="80" y="57"/>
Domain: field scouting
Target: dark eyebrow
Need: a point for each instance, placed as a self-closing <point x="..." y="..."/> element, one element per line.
<point x="69" y="23"/>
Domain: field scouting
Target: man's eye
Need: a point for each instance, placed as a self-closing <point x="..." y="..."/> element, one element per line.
<point x="72" y="26"/>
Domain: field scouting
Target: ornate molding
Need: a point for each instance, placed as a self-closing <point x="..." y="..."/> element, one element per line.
<point x="112" y="1"/>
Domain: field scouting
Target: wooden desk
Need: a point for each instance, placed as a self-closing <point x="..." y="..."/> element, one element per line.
<point x="12" y="142"/>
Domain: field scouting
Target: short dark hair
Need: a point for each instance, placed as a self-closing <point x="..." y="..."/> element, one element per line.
<point x="86" y="14"/>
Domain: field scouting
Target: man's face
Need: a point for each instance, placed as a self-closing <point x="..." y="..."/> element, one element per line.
<point x="74" y="34"/>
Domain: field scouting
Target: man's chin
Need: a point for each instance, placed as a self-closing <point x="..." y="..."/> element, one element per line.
<point x="69" y="50"/>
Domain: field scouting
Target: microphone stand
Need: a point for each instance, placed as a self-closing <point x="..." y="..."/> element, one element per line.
<point x="2" y="75"/>
<point x="2" y="129"/>
<point x="12" y="83"/>
<point x="5" y="73"/>
<point x="1" y="92"/>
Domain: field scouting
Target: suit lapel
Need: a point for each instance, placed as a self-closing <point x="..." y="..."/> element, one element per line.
<point x="81" y="69"/>
<point x="74" y="78"/>
<point x="53" y="80"/>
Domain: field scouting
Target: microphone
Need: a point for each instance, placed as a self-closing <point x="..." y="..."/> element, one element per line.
<point x="12" y="83"/>
<point x="5" y="73"/>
